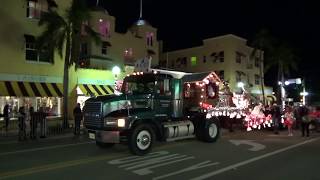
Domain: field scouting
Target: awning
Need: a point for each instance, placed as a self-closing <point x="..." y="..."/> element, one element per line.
<point x="30" y="89"/>
<point x="151" y="52"/>
<point x="96" y="90"/>
<point x="29" y="38"/>
<point x="106" y="43"/>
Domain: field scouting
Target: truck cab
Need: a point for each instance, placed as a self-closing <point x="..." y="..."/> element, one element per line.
<point x="152" y="106"/>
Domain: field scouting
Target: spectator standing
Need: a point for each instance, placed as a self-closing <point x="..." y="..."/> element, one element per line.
<point x="33" y="124"/>
<point x="22" y="124"/>
<point x="77" y="113"/>
<point x="6" y="117"/>
<point x="276" y="117"/>
<point x="305" y="121"/>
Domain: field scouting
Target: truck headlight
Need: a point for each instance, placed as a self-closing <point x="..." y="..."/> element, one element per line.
<point x="121" y="122"/>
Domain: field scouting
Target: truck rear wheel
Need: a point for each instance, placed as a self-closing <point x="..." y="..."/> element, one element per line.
<point x="211" y="131"/>
<point x="104" y="145"/>
<point x="141" y="139"/>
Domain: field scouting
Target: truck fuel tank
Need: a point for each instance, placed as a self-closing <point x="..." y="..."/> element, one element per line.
<point x="178" y="130"/>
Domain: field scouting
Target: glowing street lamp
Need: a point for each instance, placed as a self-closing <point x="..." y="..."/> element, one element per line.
<point x="304" y="94"/>
<point x="240" y="84"/>
<point x="116" y="71"/>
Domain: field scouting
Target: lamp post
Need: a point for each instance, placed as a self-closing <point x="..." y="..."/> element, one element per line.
<point x="241" y="85"/>
<point x="304" y="93"/>
<point x="116" y="71"/>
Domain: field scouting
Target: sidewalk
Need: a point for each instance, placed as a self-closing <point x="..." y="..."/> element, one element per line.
<point x="54" y="128"/>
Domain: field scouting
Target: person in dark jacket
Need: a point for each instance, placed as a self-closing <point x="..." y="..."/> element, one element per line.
<point x="77" y="113"/>
<point x="6" y="117"/>
<point x="276" y="118"/>
<point x="305" y="121"/>
<point x="22" y="124"/>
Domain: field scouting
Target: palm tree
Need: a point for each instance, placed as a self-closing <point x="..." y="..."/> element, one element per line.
<point x="262" y="43"/>
<point x="62" y="33"/>
<point x="284" y="59"/>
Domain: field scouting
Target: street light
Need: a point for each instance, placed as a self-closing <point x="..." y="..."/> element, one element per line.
<point x="116" y="71"/>
<point x="240" y="84"/>
<point x="304" y="94"/>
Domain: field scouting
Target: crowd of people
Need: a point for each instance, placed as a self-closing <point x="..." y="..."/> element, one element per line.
<point x="28" y="117"/>
<point x="294" y="117"/>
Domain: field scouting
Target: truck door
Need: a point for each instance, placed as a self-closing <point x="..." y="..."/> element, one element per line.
<point x="163" y="98"/>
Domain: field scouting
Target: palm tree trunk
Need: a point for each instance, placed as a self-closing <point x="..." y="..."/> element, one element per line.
<point x="66" y="82"/>
<point x="262" y="78"/>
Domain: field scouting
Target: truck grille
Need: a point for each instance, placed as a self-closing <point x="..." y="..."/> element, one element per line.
<point x="92" y="115"/>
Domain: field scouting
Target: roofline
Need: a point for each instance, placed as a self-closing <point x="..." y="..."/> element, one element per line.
<point x="227" y="35"/>
<point x="186" y="49"/>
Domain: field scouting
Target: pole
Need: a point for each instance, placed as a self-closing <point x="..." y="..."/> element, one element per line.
<point x="304" y="93"/>
<point x="167" y="61"/>
<point x="140" y="9"/>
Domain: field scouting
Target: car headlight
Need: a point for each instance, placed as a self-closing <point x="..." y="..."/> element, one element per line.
<point x="121" y="122"/>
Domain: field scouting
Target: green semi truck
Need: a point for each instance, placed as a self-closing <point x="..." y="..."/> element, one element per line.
<point x="160" y="105"/>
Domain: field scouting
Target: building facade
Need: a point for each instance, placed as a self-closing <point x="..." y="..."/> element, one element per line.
<point x="31" y="78"/>
<point x="229" y="56"/>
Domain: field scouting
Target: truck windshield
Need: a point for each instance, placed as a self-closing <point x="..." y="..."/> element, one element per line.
<point x="138" y="85"/>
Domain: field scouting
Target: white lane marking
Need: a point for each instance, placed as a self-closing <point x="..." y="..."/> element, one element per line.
<point x="43" y="148"/>
<point x="137" y="158"/>
<point x="193" y="167"/>
<point x="219" y="171"/>
<point x="147" y="170"/>
<point x="155" y="160"/>
<point x="143" y="165"/>
<point x="255" y="146"/>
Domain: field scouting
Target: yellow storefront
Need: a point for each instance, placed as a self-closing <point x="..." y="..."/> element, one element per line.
<point x="39" y="92"/>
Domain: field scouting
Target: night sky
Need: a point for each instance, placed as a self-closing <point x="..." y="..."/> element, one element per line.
<point x="183" y="24"/>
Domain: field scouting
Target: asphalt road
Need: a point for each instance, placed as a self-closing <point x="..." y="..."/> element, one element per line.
<point x="239" y="155"/>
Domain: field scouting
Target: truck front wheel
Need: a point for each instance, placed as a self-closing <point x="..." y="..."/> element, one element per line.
<point x="211" y="131"/>
<point x="141" y="139"/>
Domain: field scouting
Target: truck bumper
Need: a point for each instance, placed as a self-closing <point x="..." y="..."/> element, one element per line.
<point x="104" y="136"/>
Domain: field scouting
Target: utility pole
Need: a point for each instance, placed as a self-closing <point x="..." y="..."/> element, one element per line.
<point x="304" y="93"/>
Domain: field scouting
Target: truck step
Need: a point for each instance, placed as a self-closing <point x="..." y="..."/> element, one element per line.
<point x="180" y="138"/>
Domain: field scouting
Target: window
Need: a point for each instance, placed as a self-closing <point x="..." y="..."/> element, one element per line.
<point x="128" y="52"/>
<point x="178" y="62"/>
<point x="104" y="48"/>
<point x="214" y="57"/>
<point x="221" y="56"/>
<point x="150" y="36"/>
<point x="104" y="28"/>
<point x="128" y="56"/>
<point x="257" y="62"/>
<point x="184" y="61"/>
<point x="257" y="79"/>
<point x="238" y="76"/>
<point x="83" y="49"/>
<point x="83" y="28"/>
<point x="193" y="61"/>
<point x="204" y="59"/>
<point x="34" y="9"/>
<point x="238" y="57"/>
<point x="32" y="54"/>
